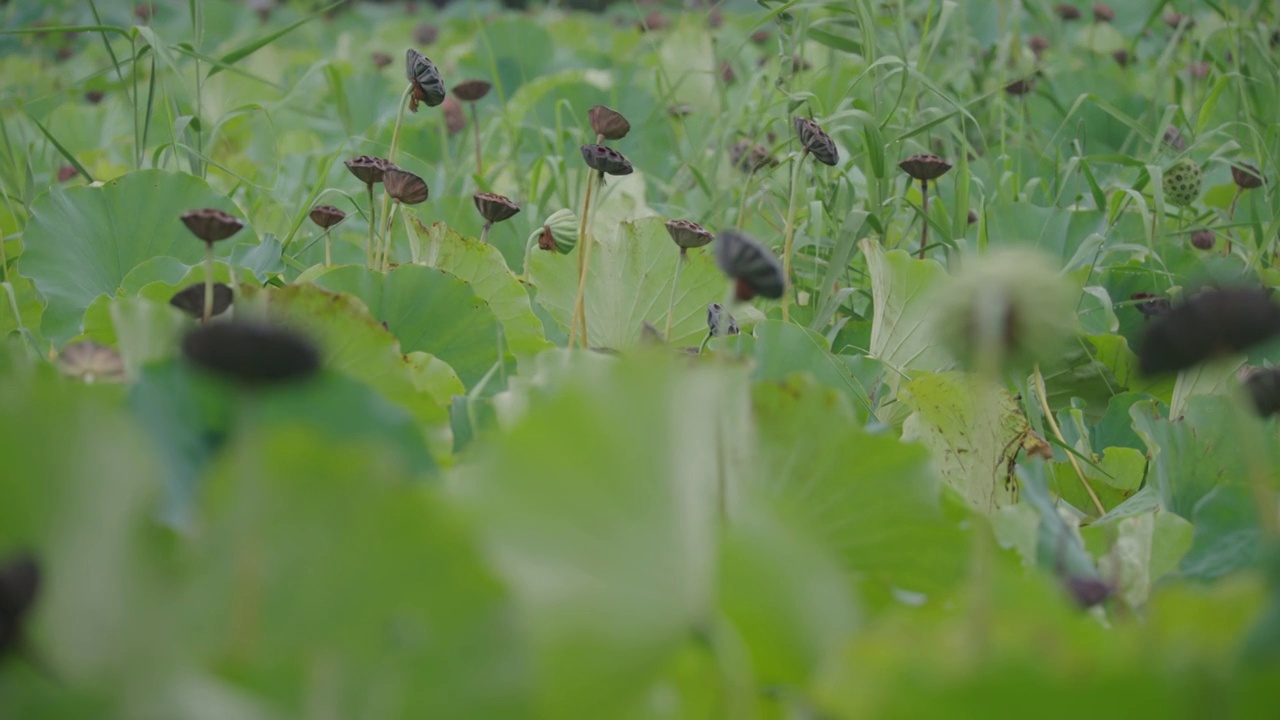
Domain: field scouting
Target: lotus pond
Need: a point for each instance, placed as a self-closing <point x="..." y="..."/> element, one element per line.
<point x="805" y="359"/>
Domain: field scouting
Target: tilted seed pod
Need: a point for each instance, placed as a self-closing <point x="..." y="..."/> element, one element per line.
<point x="720" y="322"/>
<point x="326" y="216"/>
<point x="190" y="299"/>
<point x="404" y="186"/>
<point x="1212" y="322"/>
<point x="1246" y="176"/>
<point x="558" y="233"/>
<point x="1103" y="13"/>
<point x="251" y="353"/>
<point x="471" y="90"/>
<point x="211" y="225"/>
<point x="1182" y="183"/>
<point x="925" y="167"/>
<point x="816" y="141"/>
<point x="606" y="160"/>
<point x="753" y="267"/>
<point x="1067" y="11"/>
<point x="688" y="235"/>
<point x="425" y="78"/>
<point x="608" y="123"/>
<point x="495" y="208"/>
<point x="369" y="169"/>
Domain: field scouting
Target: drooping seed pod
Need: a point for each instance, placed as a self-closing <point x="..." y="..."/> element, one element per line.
<point x="1122" y="57"/>
<point x="752" y="266"/>
<point x="1006" y="310"/>
<point x="608" y="123"/>
<point x="455" y="119"/>
<point x="1038" y="44"/>
<point x="1246" y="176"/>
<point x="88" y="361"/>
<point x="1202" y="239"/>
<point x="405" y="187"/>
<point x="380" y="59"/>
<point x="1103" y="13"/>
<point x="558" y="233"/>
<point x="1262" y="385"/>
<point x="368" y="169"/>
<point x="326" y="216"/>
<point x="1150" y="304"/>
<point x="606" y="160"/>
<point x="20" y="578"/>
<point x="211" y="225"/>
<point x="251" y="353"/>
<point x="471" y="90"/>
<point x="425" y="78"/>
<point x="1182" y="183"/>
<point x="750" y="158"/>
<point x="1212" y="322"/>
<point x="925" y="167"/>
<point x="190" y="299"/>
<point x="1173" y="138"/>
<point x="816" y="141"/>
<point x="495" y="208"/>
<point x="1067" y="11"/>
<point x="688" y="235"/>
<point x="720" y="322"/>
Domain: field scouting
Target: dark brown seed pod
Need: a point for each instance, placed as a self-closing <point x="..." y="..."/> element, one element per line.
<point x="720" y="322"/>
<point x="1213" y="322"/>
<point x="687" y="234"/>
<point x="751" y="158"/>
<point x="653" y="22"/>
<point x="683" y="110"/>
<point x="753" y="267"/>
<point x="608" y="123"/>
<point x="1173" y="138"/>
<point x="425" y="77"/>
<point x="727" y="75"/>
<point x="93" y="97"/>
<point x="380" y="59"/>
<point x="88" y="361"/>
<point x="1088" y="591"/>
<point x="425" y="33"/>
<point x="1103" y="13"/>
<point x="1122" y="57"/>
<point x="472" y="90"/>
<point x="1198" y="70"/>
<point x="1262" y="385"/>
<point x="251" y="353"/>
<point x="925" y="167"/>
<point x="495" y="208"/>
<point x="405" y="187"/>
<point x="1246" y="176"/>
<point x="606" y="160"/>
<point x="368" y="169"/>
<point x="19" y="587"/>
<point x="211" y="225"/>
<point x="1020" y="87"/>
<point x="190" y="299"/>
<point x="66" y="172"/>
<point x="144" y="11"/>
<point x="1174" y="20"/>
<point x="816" y="141"/>
<point x="1202" y="239"/>
<point x="973" y="216"/>
<point x="455" y="119"/>
<point x="1067" y="11"/>
<point x="760" y="36"/>
<point x="326" y="216"/>
<point x="1038" y="44"/>
<point x="1150" y="304"/>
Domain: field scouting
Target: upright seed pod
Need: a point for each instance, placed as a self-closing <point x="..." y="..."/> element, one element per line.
<point x="251" y="353"/>
<point x="472" y="92"/>
<point x="494" y="209"/>
<point x="1182" y="183"/>
<point x="210" y="225"/>
<point x="926" y="168"/>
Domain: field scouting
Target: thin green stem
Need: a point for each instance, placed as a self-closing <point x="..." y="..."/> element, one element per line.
<point x="391" y="157"/>
<point x="924" y="216"/>
<point x="475" y="126"/>
<point x="208" y="281"/>
<point x="328" y="249"/>
<point x="671" y="304"/>
<point x="584" y="260"/>
<point x="484" y="233"/>
<point x="408" y="234"/>
<point x="369" y="248"/>
<point x="387" y="236"/>
<point x="789" y="236"/>
<point x="742" y="206"/>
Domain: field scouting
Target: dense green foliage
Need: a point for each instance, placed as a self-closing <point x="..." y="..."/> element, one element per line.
<point x="930" y="481"/>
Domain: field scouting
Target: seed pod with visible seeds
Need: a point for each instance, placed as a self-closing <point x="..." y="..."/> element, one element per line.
<point x="1150" y="304"/>
<point x="606" y="160"/>
<point x="425" y="78"/>
<point x="1006" y="310"/>
<point x="752" y="266"/>
<point x="816" y="141"/>
<point x="190" y="299"/>
<point x="1213" y="322"/>
<point x="720" y="322"/>
<point x="455" y="120"/>
<point x="405" y="187"/>
<point x="471" y="90"/>
<point x="19" y="587"/>
<point x="1103" y="13"/>
<point x="251" y="353"/>
<point x="608" y="123"/>
<point x="925" y="167"/>
<point x="1182" y="183"/>
<point x="326" y="216"/>
<point x="495" y="208"/>
<point x="1246" y="176"/>
<point x="88" y="361"/>
<point x="1202" y="239"/>
<point x="1262" y="385"/>
<point x="559" y="232"/>
<point x="211" y="225"/>
<point x="368" y="169"/>
<point x="688" y="234"/>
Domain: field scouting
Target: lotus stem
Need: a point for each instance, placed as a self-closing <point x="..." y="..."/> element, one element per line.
<point x="475" y="127"/>
<point x="328" y="249"/>
<point x="742" y="206"/>
<point x="386" y="240"/>
<point x="671" y="304"/>
<point x="391" y="157"/>
<point x="370" y="250"/>
<point x="584" y="257"/>
<point x="1057" y="432"/>
<point x="484" y="233"/>
<point x="408" y="235"/>
<point x="789" y="236"/>
<point x="924" y="219"/>
<point x="208" y="282"/>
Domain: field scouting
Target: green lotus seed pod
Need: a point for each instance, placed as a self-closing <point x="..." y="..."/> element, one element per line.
<point x="559" y="232"/>
<point x="1007" y="310"/>
<point x="1182" y="183"/>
